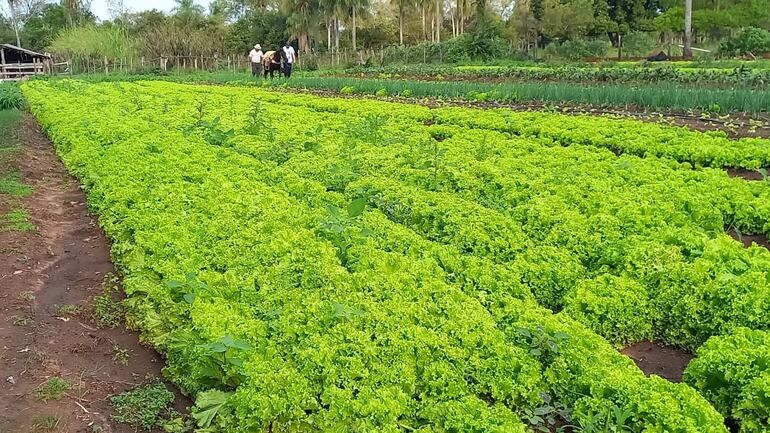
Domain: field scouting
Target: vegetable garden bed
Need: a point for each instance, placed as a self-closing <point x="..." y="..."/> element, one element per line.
<point x="317" y="264"/>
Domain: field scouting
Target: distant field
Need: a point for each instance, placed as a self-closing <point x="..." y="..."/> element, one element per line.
<point x="650" y="96"/>
<point x="715" y="75"/>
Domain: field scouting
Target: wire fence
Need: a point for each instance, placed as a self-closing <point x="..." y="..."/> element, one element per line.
<point x="105" y="65"/>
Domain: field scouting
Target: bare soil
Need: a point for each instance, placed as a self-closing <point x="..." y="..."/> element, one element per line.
<point x="655" y="358"/>
<point x="747" y="240"/>
<point x="63" y="262"/>
<point x="744" y="173"/>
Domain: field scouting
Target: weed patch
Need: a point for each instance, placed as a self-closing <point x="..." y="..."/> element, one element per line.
<point x="16" y="220"/>
<point x="46" y="423"/>
<point x="53" y="389"/>
<point x="12" y="185"/>
<point x="144" y="407"/>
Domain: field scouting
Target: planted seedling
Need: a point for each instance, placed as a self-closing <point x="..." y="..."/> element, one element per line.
<point x="20" y="321"/>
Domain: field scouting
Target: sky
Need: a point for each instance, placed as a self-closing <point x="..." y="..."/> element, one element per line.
<point x="100" y="7"/>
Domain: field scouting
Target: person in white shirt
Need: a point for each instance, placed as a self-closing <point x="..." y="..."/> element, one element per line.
<point x="256" y="60"/>
<point x="290" y="57"/>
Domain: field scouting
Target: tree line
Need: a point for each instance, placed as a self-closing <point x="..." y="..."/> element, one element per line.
<point x="233" y="26"/>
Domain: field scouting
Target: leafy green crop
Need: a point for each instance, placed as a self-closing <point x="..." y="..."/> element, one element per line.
<point x="385" y="272"/>
<point x="639" y="73"/>
<point x="733" y="372"/>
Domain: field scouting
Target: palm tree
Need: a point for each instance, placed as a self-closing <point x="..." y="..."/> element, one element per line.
<point x="355" y="7"/>
<point x="331" y="9"/>
<point x="188" y="12"/>
<point x="439" y="19"/>
<point x="687" y="28"/>
<point x="302" y="20"/>
<point x="461" y="8"/>
<point x="402" y="5"/>
<point x="426" y="8"/>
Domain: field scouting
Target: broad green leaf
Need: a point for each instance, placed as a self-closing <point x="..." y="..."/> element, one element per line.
<point x="173" y="284"/>
<point x="207" y="405"/>
<point x="356" y="207"/>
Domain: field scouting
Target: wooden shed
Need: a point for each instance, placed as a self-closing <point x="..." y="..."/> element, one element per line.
<point x="17" y="63"/>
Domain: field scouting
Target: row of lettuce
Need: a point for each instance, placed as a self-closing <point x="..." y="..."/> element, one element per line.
<point x="649" y="73"/>
<point x="649" y="296"/>
<point x="325" y="264"/>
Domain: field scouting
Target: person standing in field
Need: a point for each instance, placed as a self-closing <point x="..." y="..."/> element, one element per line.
<point x="256" y="60"/>
<point x="290" y="55"/>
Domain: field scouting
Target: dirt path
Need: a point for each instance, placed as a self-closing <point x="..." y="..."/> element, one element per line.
<point x="48" y="280"/>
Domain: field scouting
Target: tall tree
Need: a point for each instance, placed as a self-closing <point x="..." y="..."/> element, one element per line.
<point x="330" y="10"/>
<point x="402" y="5"/>
<point x="355" y="8"/>
<point x="188" y="13"/>
<point x="302" y="20"/>
<point x="687" y="28"/>
<point x="12" y="6"/>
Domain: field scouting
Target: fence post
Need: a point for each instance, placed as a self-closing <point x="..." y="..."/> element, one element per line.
<point x="106" y="66"/>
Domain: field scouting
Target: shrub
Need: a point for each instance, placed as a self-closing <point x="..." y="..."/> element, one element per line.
<point x="751" y="40"/>
<point x="576" y="49"/>
<point x="10" y="97"/>
<point x="638" y="44"/>
<point x="310" y="63"/>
